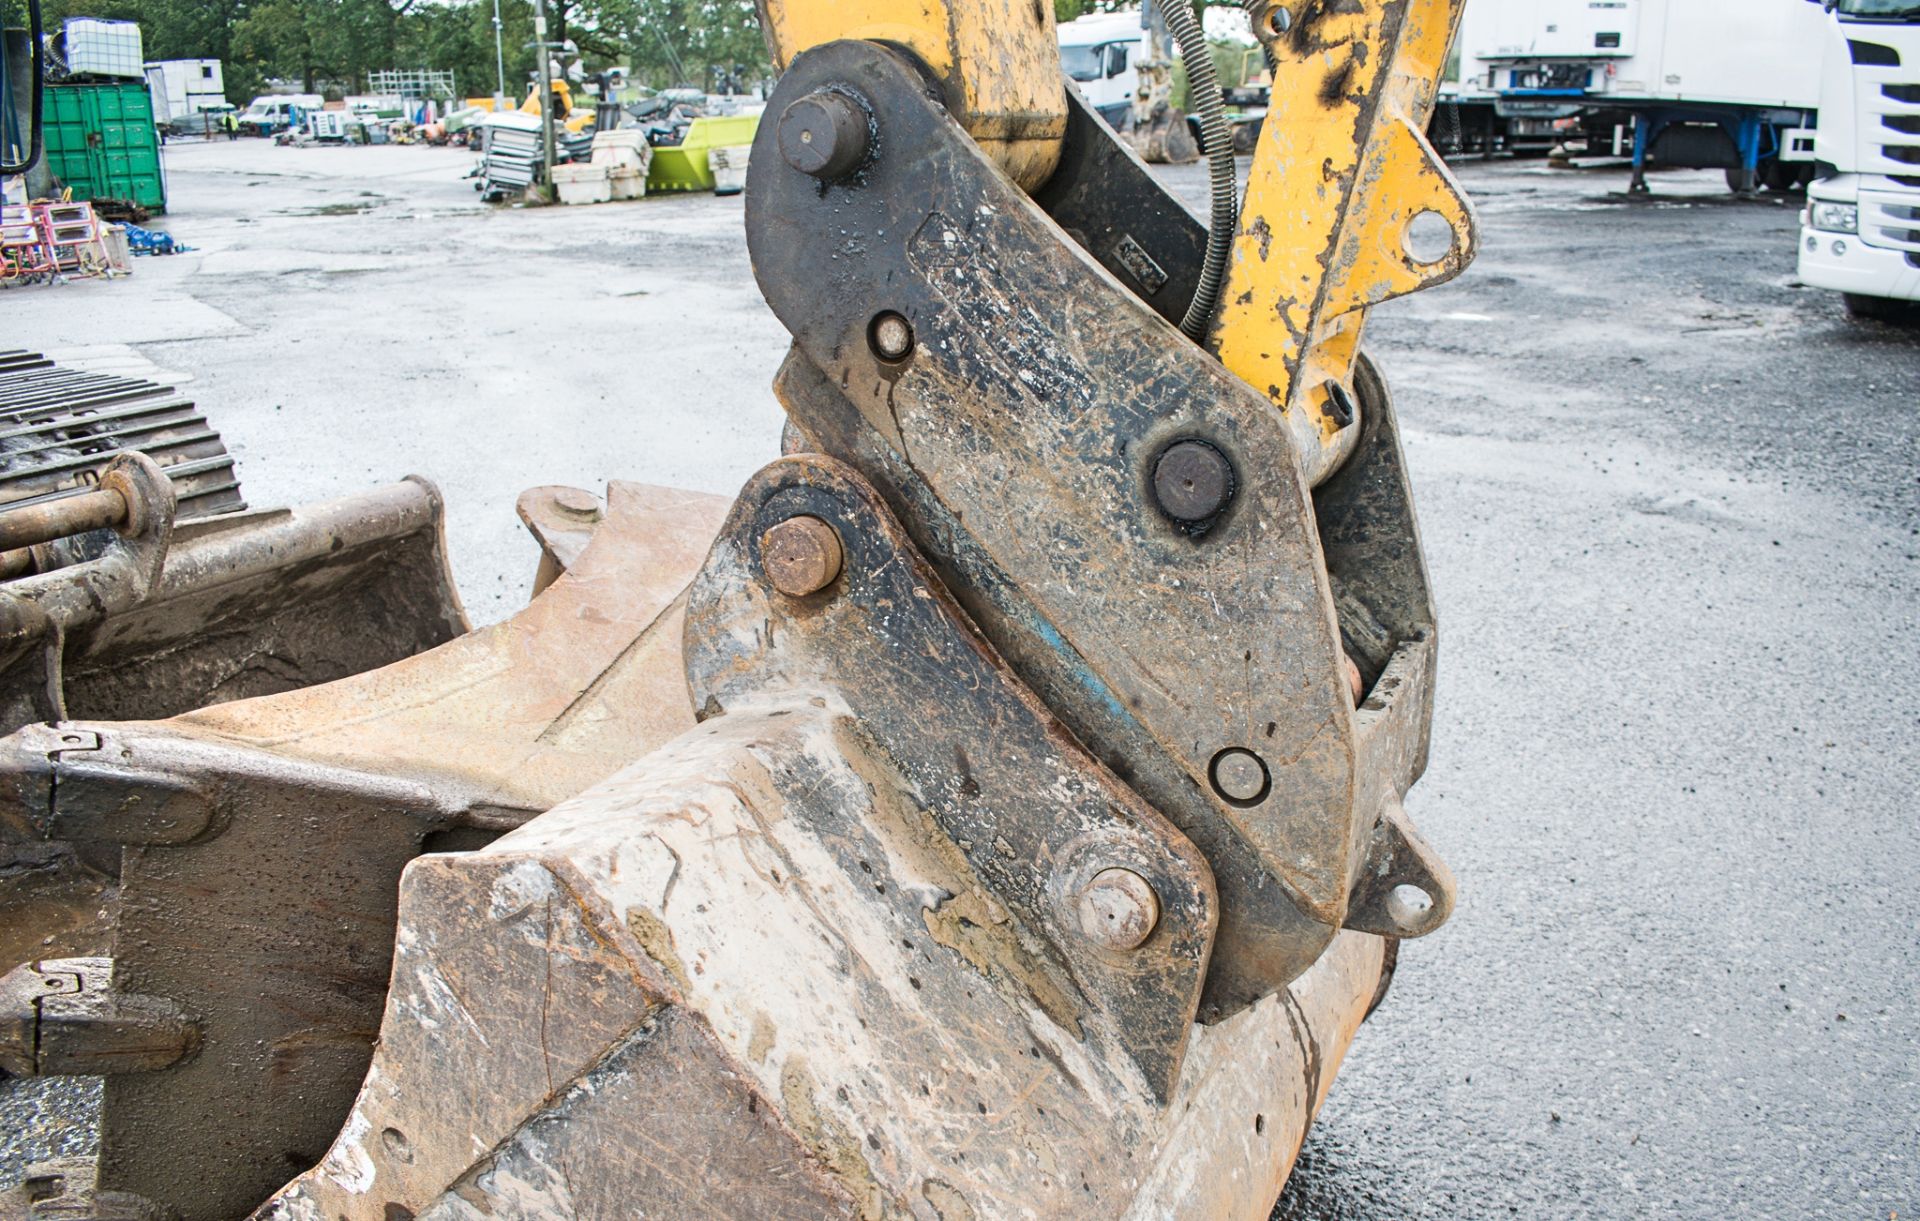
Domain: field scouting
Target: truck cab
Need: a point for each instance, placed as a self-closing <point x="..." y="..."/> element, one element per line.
<point x="1099" y="51"/>
<point x="1860" y="232"/>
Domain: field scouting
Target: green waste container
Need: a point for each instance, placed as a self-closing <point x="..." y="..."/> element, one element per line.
<point x="101" y="141"/>
<point x="683" y="166"/>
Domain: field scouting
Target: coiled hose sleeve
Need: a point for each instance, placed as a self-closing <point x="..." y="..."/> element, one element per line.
<point x="1216" y="141"/>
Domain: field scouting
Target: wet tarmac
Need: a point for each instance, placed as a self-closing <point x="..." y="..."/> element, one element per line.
<point x="1669" y="504"/>
<point x="1668" y="499"/>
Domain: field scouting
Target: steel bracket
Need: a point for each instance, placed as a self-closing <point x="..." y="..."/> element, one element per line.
<point x="1016" y="438"/>
<point x="1035" y="817"/>
<point x="62" y="1017"/>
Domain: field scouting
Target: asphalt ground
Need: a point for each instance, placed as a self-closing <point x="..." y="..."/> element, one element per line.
<point x="1669" y="504"/>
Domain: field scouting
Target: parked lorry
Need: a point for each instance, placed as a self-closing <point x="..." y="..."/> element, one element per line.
<point x="1101" y="53"/>
<point x="1860" y="232"/>
<point x="1674" y="82"/>
<point x="1122" y="63"/>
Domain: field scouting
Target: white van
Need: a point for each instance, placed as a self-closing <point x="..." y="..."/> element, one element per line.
<point x="274" y="112"/>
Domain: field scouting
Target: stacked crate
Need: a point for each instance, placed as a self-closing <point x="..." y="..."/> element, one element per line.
<point x="23" y="255"/>
<point x="627" y="155"/>
<point x="72" y="236"/>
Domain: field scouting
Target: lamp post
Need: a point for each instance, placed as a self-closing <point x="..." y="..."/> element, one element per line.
<point x="499" y="60"/>
<point x="546" y="95"/>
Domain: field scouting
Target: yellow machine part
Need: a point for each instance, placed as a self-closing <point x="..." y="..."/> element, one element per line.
<point x="1323" y="231"/>
<point x="999" y="61"/>
<point x="571" y="119"/>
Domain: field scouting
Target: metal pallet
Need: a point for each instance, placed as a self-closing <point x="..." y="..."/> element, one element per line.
<point x="59" y="426"/>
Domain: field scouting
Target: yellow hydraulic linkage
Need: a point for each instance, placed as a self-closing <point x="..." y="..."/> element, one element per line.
<point x="1347" y="204"/>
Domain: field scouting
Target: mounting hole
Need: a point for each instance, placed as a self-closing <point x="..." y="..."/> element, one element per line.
<point x="1240" y="777"/>
<point x="395" y="1142"/>
<point x="1428" y="238"/>
<point x="1409" y="907"/>
<point x="890" y="336"/>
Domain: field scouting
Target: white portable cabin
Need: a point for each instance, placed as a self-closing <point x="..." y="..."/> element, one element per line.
<point x="191" y="85"/>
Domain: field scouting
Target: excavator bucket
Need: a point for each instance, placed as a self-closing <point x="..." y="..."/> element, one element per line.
<point x="995" y="810"/>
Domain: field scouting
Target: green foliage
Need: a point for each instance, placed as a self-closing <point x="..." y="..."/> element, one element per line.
<point x="330" y="45"/>
<point x="692" y="42"/>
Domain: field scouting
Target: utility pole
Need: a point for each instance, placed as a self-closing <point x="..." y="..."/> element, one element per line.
<point x="499" y="60"/>
<point x="546" y="95"/>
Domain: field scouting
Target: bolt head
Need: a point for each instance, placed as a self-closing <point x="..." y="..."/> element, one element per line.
<point x="1192" y="481"/>
<point x="1240" y="775"/>
<point x="824" y="135"/>
<point x="802" y="555"/>
<point x="1118" y="909"/>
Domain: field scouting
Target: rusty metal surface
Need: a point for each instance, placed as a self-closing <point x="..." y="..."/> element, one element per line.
<point x="1035" y="819"/>
<point x="754" y="951"/>
<point x="65" y="1017"/>
<point x="562" y="520"/>
<point x="164" y="616"/>
<point x="32" y="524"/>
<point x="1017" y="442"/>
<point x="259" y="897"/>
<point x="69" y="1190"/>
<point x="267" y="601"/>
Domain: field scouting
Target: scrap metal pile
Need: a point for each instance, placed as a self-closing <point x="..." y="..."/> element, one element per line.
<point x="995" y="810"/>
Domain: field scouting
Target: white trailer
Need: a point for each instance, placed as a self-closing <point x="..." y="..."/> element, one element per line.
<point x="1860" y="232"/>
<point x="1680" y="82"/>
<point x="190" y="85"/>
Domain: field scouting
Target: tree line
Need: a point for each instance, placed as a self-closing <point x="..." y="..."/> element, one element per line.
<point x="323" y="45"/>
<point x="331" y="45"/>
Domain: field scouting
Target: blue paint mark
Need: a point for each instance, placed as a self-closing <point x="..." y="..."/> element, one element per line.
<point x="1081" y="672"/>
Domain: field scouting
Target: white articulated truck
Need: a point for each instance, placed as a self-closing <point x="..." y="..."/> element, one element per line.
<point x="1732" y="84"/>
<point x="1122" y="64"/>
<point x="1101" y="52"/>
<point x="1860" y="232"/>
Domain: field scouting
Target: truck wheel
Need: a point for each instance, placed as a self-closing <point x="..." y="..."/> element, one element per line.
<point x="1881" y="309"/>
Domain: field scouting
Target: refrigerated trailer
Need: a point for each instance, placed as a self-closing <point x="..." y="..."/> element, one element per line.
<point x="1699" y="83"/>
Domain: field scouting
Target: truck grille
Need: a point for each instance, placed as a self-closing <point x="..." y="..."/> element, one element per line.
<point x="1898" y="108"/>
<point x="1888" y="221"/>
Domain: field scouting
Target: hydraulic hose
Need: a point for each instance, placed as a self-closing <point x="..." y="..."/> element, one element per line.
<point x="1216" y="141"/>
